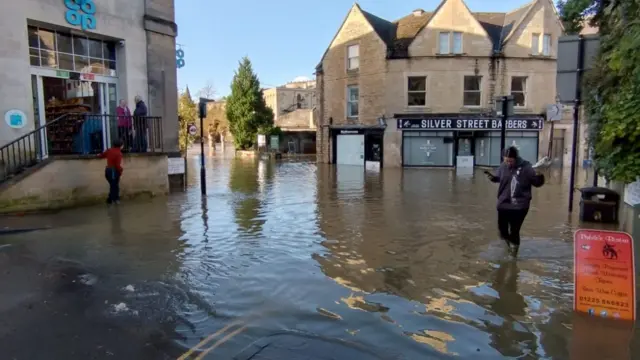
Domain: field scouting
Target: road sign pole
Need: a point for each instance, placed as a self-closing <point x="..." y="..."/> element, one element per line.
<point x="503" y="128"/>
<point x="576" y="117"/>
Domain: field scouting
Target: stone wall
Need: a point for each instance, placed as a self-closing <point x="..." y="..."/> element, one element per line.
<point x="161" y="32"/>
<point x="66" y="182"/>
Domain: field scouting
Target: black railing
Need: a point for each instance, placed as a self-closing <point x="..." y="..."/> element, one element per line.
<point x="80" y="134"/>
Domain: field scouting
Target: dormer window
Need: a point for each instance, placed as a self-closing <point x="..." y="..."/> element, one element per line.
<point x="541" y="44"/>
<point x="450" y="43"/>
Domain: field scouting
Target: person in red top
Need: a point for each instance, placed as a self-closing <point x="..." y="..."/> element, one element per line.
<point x="113" y="171"/>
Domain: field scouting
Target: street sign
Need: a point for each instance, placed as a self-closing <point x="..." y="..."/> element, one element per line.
<point x="193" y="129"/>
<point x="498" y="105"/>
<point x="568" y="63"/>
<point x="554" y="112"/>
<point x="604" y="274"/>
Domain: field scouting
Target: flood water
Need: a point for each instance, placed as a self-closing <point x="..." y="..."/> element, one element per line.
<point x="406" y="263"/>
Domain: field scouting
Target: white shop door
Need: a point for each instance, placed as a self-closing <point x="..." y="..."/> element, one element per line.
<point x="350" y="150"/>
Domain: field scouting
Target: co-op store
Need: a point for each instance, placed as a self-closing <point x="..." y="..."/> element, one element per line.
<point x="438" y="140"/>
<point x="83" y="56"/>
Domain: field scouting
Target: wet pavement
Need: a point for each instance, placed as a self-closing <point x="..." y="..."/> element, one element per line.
<point x="406" y="264"/>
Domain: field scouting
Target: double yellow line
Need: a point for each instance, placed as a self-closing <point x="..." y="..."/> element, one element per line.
<point x="243" y="323"/>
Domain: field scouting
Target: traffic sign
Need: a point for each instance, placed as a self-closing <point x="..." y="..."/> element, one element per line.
<point x="604" y="274"/>
<point x="192" y="129"/>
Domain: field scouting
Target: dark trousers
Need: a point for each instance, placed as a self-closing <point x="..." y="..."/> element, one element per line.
<point x="125" y="135"/>
<point x="113" y="178"/>
<point x="141" y="140"/>
<point x="509" y="224"/>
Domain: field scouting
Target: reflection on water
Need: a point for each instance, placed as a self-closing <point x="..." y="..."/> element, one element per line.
<point x="404" y="261"/>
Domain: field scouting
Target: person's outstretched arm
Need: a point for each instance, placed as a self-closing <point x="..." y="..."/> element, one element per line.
<point x="535" y="179"/>
<point x="494" y="178"/>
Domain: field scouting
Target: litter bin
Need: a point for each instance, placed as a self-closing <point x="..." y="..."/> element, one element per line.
<point x="598" y="204"/>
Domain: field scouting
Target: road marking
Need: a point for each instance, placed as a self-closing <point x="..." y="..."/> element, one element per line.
<point x="221" y="341"/>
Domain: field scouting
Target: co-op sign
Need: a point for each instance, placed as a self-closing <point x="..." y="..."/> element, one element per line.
<point x="470" y="124"/>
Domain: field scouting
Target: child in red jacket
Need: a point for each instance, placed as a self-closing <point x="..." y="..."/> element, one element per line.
<point x="113" y="171"/>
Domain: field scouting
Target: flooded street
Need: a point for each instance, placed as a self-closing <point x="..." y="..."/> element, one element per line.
<point x="406" y="263"/>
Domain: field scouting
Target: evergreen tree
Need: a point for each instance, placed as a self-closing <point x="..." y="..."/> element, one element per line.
<point x="611" y="88"/>
<point x="187" y="114"/>
<point x="247" y="112"/>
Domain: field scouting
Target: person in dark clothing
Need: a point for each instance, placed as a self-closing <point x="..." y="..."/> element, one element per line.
<point x="515" y="176"/>
<point x="113" y="170"/>
<point x="140" y="127"/>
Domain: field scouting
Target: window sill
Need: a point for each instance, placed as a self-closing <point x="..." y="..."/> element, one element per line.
<point x="540" y="56"/>
<point x="451" y="55"/>
<point x="353" y="71"/>
<point x="469" y="108"/>
<point x="417" y="108"/>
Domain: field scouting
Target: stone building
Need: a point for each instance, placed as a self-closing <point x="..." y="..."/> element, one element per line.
<point x="419" y="91"/>
<point x="90" y="53"/>
<point x="293" y="106"/>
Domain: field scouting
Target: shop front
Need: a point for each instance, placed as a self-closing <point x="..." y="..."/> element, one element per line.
<point x="76" y="60"/>
<point x="456" y="140"/>
<point x="357" y="145"/>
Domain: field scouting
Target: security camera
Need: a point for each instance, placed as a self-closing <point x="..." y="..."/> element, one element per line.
<point x="121" y="42"/>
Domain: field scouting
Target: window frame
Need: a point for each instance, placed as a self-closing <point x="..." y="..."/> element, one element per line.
<point x="524" y="90"/>
<point x="108" y="62"/>
<point x="349" y="58"/>
<point x="349" y="101"/>
<point x="464" y="90"/>
<point x="453" y="42"/>
<point x="448" y="42"/>
<point x="535" y="42"/>
<point x="406" y="89"/>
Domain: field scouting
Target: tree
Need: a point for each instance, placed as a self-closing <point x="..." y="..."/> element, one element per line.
<point x="247" y="112"/>
<point x="187" y="114"/>
<point x="611" y="88"/>
<point x="208" y="91"/>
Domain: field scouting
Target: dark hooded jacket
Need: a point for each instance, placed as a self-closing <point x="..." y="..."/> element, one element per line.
<point x="514" y="191"/>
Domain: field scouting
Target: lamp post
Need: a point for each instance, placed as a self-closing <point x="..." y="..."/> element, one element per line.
<point x="202" y="107"/>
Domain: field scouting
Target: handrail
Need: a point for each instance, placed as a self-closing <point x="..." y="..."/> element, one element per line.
<point x="59" y="118"/>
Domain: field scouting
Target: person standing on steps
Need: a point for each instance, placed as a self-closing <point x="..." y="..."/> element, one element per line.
<point x="140" y="124"/>
<point x="125" y="124"/>
<point x="515" y="177"/>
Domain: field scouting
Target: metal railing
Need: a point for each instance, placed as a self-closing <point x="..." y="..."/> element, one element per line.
<point x="80" y="134"/>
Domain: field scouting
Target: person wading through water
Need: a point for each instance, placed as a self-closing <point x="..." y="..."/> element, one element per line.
<point x="515" y="176"/>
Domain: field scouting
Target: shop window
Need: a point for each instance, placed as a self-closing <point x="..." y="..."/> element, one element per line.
<point x="34" y="57"/>
<point x="427" y="149"/>
<point x="353" y="57"/>
<point x="65" y="44"/>
<point x="65" y="61"/>
<point x="472" y="91"/>
<point x="519" y="91"/>
<point x="52" y="49"/>
<point x="47" y="40"/>
<point x="34" y="40"/>
<point x="353" y="94"/>
<point x="416" y="91"/>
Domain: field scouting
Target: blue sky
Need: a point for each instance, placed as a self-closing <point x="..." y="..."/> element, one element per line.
<point x="283" y="38"/>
